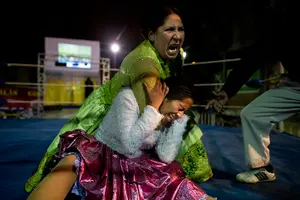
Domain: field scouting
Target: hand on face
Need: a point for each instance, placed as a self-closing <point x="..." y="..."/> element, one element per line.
<point x="157" y="94"/>
<point x="218" y="102"/>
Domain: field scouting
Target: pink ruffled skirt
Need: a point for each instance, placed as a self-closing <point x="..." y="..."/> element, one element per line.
<point x="105" y="174"/>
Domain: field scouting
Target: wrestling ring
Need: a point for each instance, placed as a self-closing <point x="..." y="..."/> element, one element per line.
<point x="26" y="135"/>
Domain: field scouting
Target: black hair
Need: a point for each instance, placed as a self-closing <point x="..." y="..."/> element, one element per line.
<point x="154" y="17"/>
<point x="176" y="66"/>
<point x="178" y="90"/>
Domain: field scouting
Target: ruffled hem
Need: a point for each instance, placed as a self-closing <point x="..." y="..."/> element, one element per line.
<point x="105" y="174"/>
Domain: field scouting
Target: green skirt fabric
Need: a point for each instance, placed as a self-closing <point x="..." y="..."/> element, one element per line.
<point x="192" y="154"/>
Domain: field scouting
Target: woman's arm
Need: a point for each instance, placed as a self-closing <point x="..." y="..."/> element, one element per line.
<point x="169" y="140"/>
<point x="143" y="71"/>
<point x="132" y="128"/>
<point x="57" y="184"/>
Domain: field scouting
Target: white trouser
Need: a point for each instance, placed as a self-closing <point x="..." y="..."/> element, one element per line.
<point x="258" y="118"/>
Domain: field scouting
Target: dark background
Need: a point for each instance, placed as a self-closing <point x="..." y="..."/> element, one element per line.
<point x="215" y="29"/>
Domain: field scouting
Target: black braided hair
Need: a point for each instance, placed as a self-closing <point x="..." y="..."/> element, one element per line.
<point x="176" y="67"/>
<point x="178" y="90"/>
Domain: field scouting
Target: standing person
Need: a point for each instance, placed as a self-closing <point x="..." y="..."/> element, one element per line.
<point x="89" y="87"/>
<point x="274" y="105"/>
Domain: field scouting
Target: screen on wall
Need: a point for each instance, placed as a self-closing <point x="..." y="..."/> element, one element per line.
<point x="74" y="56"/>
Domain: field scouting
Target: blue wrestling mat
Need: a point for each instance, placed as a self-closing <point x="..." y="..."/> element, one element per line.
<point x="24" y="142"/>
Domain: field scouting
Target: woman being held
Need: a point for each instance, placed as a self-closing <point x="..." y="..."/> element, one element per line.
<point x="158" y="56"/>
<point x="131" y="155"/>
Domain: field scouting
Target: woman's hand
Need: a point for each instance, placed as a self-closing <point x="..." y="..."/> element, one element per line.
<point x="157" y="95"/>
<point x="218" y="102"/>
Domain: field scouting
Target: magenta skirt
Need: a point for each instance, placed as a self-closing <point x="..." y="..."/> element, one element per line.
<point x="105" y="174"/>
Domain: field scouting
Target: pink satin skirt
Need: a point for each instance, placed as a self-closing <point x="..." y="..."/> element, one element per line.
<point x="104" y="174"/>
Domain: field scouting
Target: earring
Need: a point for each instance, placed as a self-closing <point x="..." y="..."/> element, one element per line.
<point x="153" y="38"/>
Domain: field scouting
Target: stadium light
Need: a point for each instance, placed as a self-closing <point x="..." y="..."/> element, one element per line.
<point x="115" y="48"/>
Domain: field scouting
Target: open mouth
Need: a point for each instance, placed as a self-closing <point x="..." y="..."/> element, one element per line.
<point x="172" y="116"/>
<point x="173" y="49"/>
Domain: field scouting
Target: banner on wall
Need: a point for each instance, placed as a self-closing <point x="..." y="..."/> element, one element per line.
<point x="69" y="92"/>
<point x="17" y="95"/>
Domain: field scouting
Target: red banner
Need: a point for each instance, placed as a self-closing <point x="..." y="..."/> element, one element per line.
<point x="15" y="95"/>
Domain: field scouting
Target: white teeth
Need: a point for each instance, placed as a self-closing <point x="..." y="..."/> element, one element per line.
<point x="172" y="51"/>
<point x="171" y="116"/>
